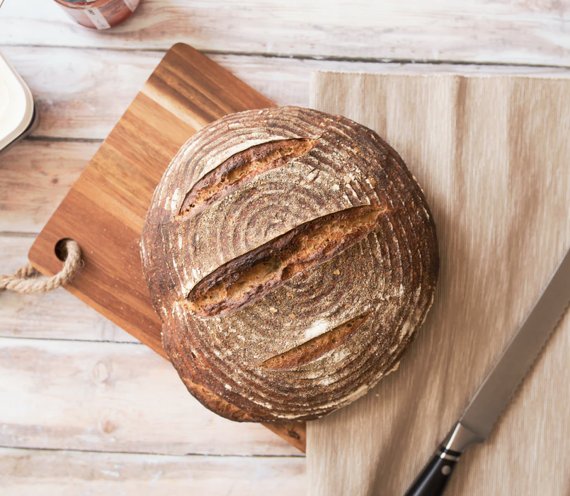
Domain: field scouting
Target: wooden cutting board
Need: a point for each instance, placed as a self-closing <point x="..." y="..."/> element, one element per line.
<point x="104" y="210"/>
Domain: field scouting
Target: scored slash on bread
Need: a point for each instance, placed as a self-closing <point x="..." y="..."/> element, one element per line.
<point x="292" y="257"/>
<point x="249" y="277"/>
<point x="316" y="347"/>
<point x="239" y="168"/>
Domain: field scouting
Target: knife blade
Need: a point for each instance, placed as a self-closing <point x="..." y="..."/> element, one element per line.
<point x="478" y="419"/>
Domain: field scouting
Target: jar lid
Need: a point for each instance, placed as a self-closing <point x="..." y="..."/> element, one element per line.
<point x="16" y="105"/>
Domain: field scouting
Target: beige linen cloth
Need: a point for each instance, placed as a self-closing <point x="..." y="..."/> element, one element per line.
<point x="493" y="157"/>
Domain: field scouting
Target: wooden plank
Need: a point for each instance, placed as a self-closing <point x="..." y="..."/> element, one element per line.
<point x="74" y="101"/>
<point x="492" y="155"/>
<point x="34" y="178"/>
<point x="68" y="473"/>
<point x="447" y="30"/>
<point x="54" y="315"/>
<point x="111" y="397"/>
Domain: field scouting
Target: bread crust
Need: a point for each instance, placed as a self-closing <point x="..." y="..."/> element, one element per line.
<point x="258" y="275"/>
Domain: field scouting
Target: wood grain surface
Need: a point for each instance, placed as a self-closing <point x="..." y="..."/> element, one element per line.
<point x="36" y="176"/>
<point x="57" y="315"/>
<point x="82" y="93"/>
<point x="70" y="473"/>
<point x="101" y="396"/>
<point x="530" y="31"/>
<point x="105" y="208"/>
<point x="492" y="155"/>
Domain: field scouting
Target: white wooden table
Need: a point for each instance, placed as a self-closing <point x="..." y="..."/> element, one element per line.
<point x="84" y="408"/>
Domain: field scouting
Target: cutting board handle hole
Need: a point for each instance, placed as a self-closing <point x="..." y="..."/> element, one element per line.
<point x="61" y="248"/>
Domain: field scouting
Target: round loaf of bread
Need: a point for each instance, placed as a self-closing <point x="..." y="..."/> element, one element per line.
<point x="291" y="257"/>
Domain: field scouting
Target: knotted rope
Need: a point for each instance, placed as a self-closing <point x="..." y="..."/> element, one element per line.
<point x="26" y="280"/>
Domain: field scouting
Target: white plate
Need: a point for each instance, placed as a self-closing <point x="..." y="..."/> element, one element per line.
<point x="16" y="105"/>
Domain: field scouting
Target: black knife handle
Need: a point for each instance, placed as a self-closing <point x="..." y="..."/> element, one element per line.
<point x="435" y="476"/>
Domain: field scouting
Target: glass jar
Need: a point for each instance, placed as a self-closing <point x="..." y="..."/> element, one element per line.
<point x="99" y="14"/>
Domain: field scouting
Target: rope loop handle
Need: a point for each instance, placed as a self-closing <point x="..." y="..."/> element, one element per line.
<point x="26" y="280"/>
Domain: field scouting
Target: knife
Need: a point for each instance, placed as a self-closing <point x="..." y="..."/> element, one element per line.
<point x="476" y="422"/>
